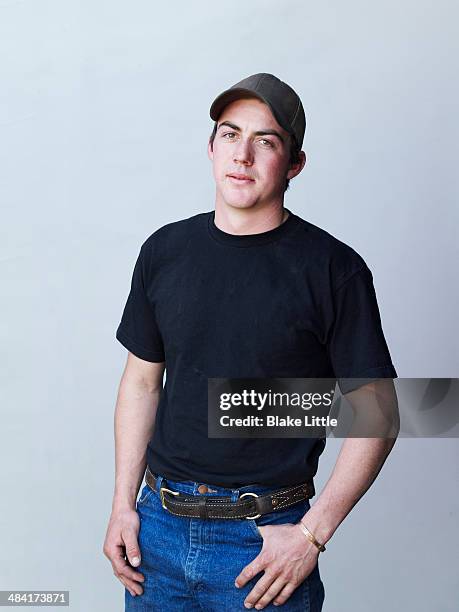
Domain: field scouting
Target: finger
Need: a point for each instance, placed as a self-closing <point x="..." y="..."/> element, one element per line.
<point x="128" y="572"/>
<point x="275" y="588"/>
<point x="249" y="571"/>
<point x="121" y="567"/>
<point x="129" y="590"/>
<point x="260" y="589"/>
<point x="284" y="594"/>
<point x="116" y="556"/>
<point x="132" y="547"/>
<point x="133" y="588"/>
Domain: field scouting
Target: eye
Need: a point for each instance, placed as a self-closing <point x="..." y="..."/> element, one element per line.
<point x="268" y="142"/>
<point x="229" y="134"/>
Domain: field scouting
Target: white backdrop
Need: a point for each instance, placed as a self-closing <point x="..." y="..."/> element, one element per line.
<point x="104" y="126"/>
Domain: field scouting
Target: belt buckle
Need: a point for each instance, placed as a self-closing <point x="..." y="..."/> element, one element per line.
<point x="161" y="495"/>
<point x="255" y="516"/>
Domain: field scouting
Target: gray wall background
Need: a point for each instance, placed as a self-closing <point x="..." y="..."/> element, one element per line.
<point x="104" y="125"/>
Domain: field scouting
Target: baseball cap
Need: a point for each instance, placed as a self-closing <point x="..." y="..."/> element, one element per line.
<point x="284" y="102"/>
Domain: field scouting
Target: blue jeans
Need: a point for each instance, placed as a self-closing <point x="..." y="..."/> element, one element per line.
<point x="190" y="564"/>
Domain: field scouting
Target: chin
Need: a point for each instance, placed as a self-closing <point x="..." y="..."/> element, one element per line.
<point x="238" y="204"/>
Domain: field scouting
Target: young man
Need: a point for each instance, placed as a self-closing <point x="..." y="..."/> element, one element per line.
<point x="249" y="290"/>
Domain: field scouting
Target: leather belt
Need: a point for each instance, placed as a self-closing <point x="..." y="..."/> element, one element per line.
<point x="248" y="506"/>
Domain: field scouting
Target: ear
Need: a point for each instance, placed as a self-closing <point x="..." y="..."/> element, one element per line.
<point x="295" y="169"/>
<point x="210" y="153"/>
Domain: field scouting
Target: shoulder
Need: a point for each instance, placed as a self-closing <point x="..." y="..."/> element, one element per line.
<point x="174" y="236"/>
<point x="331" y="254"/>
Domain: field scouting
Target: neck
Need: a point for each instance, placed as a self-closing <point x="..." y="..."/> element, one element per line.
<point x="243" y="221"/>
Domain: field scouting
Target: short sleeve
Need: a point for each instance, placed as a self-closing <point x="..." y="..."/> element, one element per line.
<point x="357" y="347"/>
<point x="138" y="330"/>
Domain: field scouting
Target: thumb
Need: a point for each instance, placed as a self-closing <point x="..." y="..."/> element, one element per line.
<point x="132" y="547"/>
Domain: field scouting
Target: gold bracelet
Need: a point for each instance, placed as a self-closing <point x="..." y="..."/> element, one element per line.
<point x="310" y="537"/>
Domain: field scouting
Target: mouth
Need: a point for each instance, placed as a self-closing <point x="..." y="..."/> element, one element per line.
<point x="240" y="178"/>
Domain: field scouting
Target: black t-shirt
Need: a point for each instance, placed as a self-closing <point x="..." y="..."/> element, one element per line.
<point x="292" y="302"/>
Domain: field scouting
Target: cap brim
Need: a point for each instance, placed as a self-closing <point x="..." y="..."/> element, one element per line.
<point x="230" y="95"/>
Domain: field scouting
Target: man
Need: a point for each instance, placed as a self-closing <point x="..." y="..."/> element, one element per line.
<point x="249" y="290"/>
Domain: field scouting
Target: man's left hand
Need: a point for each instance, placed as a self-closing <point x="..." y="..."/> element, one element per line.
<point x="287" y="558"/>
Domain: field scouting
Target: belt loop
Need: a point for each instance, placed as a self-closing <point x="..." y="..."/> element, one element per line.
<point x="234" y="495"/>
<point x="159" y="481"/>
<point x="202" y="507"/>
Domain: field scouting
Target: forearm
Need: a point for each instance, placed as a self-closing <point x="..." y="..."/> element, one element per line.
<point x="358" y="464"/>
<point x="135" y="415"/>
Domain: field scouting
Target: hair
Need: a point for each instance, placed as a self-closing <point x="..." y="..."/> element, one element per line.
<point x="294" y="151"/>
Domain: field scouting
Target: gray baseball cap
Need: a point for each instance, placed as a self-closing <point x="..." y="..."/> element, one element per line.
<point x="284" y="102"/>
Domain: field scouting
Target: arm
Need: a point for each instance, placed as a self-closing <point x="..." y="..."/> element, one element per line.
<point x="360" y="459"/>
<point x="287" y="554"/>
<point x="135" y="413"/>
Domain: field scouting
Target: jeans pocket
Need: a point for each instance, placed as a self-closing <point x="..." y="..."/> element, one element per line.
<point x="292" y="514"/>
<point x="254" y="528"/>
<point x="145" y="495"/>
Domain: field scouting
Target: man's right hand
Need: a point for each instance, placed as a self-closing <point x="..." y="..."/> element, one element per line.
<point x="121" y="542"/>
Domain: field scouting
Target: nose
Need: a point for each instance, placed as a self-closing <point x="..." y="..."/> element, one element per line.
<point x="243" y="153"/>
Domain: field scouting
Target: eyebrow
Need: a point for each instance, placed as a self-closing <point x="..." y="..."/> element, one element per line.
<point x="258" y="133"/>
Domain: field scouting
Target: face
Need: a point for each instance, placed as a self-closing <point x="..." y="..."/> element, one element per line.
<point x="250" y="156"/>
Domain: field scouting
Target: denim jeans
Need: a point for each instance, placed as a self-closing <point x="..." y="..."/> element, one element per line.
<point x="190" y="564"/>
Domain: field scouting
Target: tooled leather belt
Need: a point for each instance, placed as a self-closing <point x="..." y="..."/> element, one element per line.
<point x="248" y="506"/>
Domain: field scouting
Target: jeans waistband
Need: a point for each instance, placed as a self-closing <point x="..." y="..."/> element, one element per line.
<point x="191" y="488"/>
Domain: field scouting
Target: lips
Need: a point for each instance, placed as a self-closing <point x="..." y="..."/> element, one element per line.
<point x="243" y="178"/>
